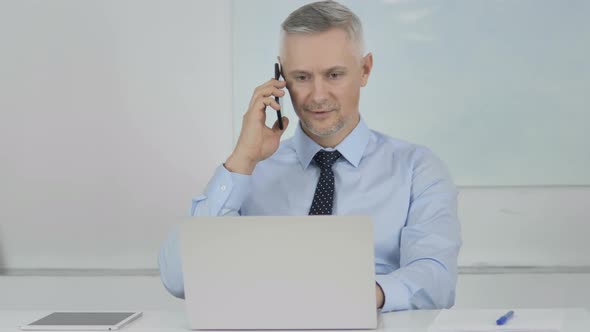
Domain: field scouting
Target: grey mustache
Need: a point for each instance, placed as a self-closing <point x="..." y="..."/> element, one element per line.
<point x="323" y="107"/>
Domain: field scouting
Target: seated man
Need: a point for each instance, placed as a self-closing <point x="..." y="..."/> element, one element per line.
<point x="335" y="164"/>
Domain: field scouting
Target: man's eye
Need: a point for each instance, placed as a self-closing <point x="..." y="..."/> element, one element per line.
<point x="335" y="75"/>
<point x="301" y="77"/>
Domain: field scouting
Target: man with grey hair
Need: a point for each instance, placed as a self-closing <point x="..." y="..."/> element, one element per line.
<point x="334" y="164"/>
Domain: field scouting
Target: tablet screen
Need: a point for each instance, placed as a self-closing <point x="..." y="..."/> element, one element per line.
<point x="83" y="318"/>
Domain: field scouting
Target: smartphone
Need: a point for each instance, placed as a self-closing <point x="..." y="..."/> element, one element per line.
<point x="277" y="77"/>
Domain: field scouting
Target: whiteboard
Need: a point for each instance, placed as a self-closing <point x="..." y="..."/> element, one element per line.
<point x="500" y="90"/>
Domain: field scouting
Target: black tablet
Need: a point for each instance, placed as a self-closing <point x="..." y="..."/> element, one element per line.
<point x="97" y="321"/>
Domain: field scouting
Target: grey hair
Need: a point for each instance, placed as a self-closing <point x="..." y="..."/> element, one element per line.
<point x="323" y="15"/>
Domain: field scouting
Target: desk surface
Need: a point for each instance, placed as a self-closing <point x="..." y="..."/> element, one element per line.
<point x="576" y="320"/>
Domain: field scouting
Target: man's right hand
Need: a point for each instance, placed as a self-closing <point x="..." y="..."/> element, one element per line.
<point x="257" y="141"/>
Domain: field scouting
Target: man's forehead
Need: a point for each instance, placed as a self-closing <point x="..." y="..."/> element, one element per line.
<point x="319" y="50"/>
<point x="333" y="38"/>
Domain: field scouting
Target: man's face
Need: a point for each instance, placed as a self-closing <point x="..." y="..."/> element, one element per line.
<point x="324" y="74"/>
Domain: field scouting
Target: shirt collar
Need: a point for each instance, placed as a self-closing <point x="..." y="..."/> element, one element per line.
<point x="352" y="147"/>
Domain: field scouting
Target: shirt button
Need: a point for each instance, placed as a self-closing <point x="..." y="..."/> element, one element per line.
<point x="222" y="188"/>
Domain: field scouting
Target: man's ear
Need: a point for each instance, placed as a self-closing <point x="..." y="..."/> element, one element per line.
<point x="280" y="66"/>
<point x="283" y="72"/>
<point x="367" y="66"/>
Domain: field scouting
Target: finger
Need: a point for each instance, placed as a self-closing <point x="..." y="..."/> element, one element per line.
<point x="271" y="91"/>
<point x="269" y="101"/>
<point x="271" y="83"/>
<point x="270" y="88"/>
<point x="275" y="127"/>
<point x="277" y="83"/>
<point x="264" y="93"/>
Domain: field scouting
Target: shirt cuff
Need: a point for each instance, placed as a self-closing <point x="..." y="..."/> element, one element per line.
<point x="397" y="295"/>
<point x="227" y="190"/>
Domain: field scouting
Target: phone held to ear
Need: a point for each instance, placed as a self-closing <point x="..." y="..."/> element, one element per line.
<point x="277" y="76"/>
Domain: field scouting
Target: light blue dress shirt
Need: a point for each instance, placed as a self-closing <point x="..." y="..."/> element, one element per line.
<point x="404" y="187"/>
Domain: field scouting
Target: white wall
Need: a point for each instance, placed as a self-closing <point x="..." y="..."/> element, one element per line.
<point x="108" y="109"/>
<point x="525" y="226"/>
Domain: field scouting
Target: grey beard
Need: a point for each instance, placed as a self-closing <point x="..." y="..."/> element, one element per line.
<point x="326" y="133"/>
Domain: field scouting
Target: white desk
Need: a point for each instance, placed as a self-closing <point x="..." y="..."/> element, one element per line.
<point x="576" y="320"/>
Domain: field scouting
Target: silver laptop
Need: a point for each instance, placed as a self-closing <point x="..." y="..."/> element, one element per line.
<point x="263" y="273"/>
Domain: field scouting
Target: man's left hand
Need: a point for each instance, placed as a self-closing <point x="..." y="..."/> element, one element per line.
<point x="380" y="296"/>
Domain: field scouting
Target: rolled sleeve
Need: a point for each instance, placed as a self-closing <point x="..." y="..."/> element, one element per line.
<point x="225" y="192"/>
<point x="397" y="295"/>
<point x="170" y="265"/>
<point x="429" y="242"/>
<point x="224" y="195"/>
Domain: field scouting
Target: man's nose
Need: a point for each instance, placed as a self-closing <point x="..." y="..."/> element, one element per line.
<point x="319" y="91"/>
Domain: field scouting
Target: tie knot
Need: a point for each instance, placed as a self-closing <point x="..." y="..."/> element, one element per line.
<point x="325" y="159"/>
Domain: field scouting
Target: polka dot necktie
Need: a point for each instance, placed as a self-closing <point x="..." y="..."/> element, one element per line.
<point x="324" y="192"/>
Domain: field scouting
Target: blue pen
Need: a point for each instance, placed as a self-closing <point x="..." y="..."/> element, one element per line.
<point x="502" y="320"/>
